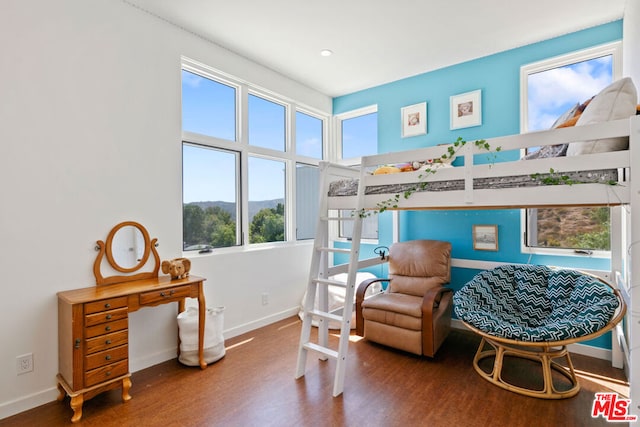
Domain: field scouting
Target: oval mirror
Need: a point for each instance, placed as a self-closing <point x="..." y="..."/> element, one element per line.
<point x="128" y="247"/>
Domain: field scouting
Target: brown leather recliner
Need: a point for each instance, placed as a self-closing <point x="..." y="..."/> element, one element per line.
<point x="414" y="313"/>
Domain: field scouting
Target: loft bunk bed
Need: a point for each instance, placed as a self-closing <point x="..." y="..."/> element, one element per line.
<point x="483" y="181"/>
<point x="484" y="178"/>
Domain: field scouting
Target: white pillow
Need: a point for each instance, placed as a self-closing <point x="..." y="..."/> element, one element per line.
<point x="616" y="101"/>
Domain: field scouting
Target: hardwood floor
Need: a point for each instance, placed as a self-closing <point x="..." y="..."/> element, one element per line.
<point x="254" y="385"/>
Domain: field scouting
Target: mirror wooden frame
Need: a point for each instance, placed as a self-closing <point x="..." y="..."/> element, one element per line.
<point x="106" y="250"/>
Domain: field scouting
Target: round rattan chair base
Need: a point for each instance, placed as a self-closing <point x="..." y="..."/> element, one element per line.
<point x="542" y="354"/>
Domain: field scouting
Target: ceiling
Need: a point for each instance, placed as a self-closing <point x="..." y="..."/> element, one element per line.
<point x="375" y="41"/>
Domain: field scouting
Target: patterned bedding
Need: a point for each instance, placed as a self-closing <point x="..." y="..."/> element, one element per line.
<point x="349" y="187"/>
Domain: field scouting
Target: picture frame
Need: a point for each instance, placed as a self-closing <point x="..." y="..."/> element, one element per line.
<point x="414" y="120"/>
<point x="466" y="109"/>
<point x="485" y="237"/>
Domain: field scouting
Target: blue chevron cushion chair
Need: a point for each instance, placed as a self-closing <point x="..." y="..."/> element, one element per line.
<point x="534" y="312"/>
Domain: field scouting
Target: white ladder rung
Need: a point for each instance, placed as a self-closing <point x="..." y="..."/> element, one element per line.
<point x="338" y="218"/>
<point x="363" y="263"/>
<point x="369" y="262"/>
<point x="335" y="250"/>
<point x="320" y="349"/>
<point x="325" y="315"/>
<point x="331" y="282"/>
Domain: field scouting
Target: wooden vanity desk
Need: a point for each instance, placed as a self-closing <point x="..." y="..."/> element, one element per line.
<point x="93" y="336"/>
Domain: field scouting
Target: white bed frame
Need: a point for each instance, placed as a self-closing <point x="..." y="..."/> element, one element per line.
<point x="625" y="197"/>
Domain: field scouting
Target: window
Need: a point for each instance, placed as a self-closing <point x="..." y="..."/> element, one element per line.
<point x="208" y="107"/>
<point x="241" y="161"/>
<point x="358" y="137"/>
<point x="308" y="135"/>
<point x="266" y="123"/>
<point x="210" y="200"/>
<point x="266" y="200"/>
<point x="550" y="88"/>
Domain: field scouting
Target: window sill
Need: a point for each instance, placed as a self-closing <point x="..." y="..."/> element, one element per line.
<point x="578" y="253"/>
<point x="248" y="248"/>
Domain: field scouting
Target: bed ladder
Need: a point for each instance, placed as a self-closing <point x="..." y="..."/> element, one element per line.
<point x="319" y="281"/>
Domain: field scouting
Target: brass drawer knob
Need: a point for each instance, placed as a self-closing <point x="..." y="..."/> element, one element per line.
<point x="107" y="357"/>
<point x="108" y="317"/>
<point x="107" y="305"/>
<point x="108" y="328"/>
<point x="108" y="373"/>
<point x="107" y="342"/>
<point x="164" y="294"/>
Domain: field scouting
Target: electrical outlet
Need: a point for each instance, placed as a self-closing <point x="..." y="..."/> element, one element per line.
<point x="24" y="363"/>
<point x="265" y="298"/>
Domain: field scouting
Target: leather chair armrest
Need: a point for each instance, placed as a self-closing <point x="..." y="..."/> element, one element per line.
<point x="360" y="292"/>
<point x="433" y="297"/>
<point x="434" y="301"/>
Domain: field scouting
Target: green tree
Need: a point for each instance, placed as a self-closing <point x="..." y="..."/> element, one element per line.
<point x="268" y="225"/>
<point x="599" y="239"/>
<point x="212" y="226"/>
<point x="219" y="228"/>
<point x="193" y="225"/>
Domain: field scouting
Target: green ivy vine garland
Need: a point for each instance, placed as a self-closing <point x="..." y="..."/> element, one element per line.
<point x="421" y="185"/>
<point x="557" y="178"/>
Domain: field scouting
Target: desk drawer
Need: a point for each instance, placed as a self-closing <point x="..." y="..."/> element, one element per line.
<point x="105" y="316"/>
<point x="105" y="328"/>
<point x="165" y="295"/>
<point x="106" y="373"/>
<point x="106" y="342"/>
<point x="105" y="357"/>
<point x="105" y="304"/>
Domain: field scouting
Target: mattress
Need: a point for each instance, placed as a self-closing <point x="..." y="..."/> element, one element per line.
<point x="349" y="187"/>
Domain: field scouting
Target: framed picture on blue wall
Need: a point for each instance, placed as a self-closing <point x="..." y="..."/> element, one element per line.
<point x="414" y="120"/>
<point x="485" y="237"/>
<point x="466" y="109"/>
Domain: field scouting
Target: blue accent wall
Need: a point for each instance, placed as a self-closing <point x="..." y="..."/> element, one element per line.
<point x="498" y="76"/>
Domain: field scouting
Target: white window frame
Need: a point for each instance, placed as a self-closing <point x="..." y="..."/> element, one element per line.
<point x="615" y="50"/>
<point x="242" y="146"/>
<point x="336" y="155"/>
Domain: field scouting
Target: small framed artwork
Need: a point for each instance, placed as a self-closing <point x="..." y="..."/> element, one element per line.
<point x="414" y="120"/>
<point x="466" y="109"/>
<point x="485" y="237"/>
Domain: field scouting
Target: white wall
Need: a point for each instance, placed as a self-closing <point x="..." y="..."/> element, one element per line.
<point x="631" y="36"/>
<point x="90" y="136"/>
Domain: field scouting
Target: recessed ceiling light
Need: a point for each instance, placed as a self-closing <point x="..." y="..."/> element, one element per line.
<point x="326" y="52"/>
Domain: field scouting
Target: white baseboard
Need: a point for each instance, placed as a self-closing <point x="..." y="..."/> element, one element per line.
<point x="585" y="350"/>
<point x="248" y="327"/>
<point x="139" y="363"/>
<point x="31" y="401"/>
<point x="171" y="353"/>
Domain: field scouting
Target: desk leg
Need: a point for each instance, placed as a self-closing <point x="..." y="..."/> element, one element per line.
<point x="202" y="309"/>
<point x="76" y="405"/>
<point x="126" y="385"/>
<point x="181" y="306"/>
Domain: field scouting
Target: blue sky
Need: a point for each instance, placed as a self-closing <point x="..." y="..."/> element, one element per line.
<point x="554" y="91"/>
<point x="209" y="175"/>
